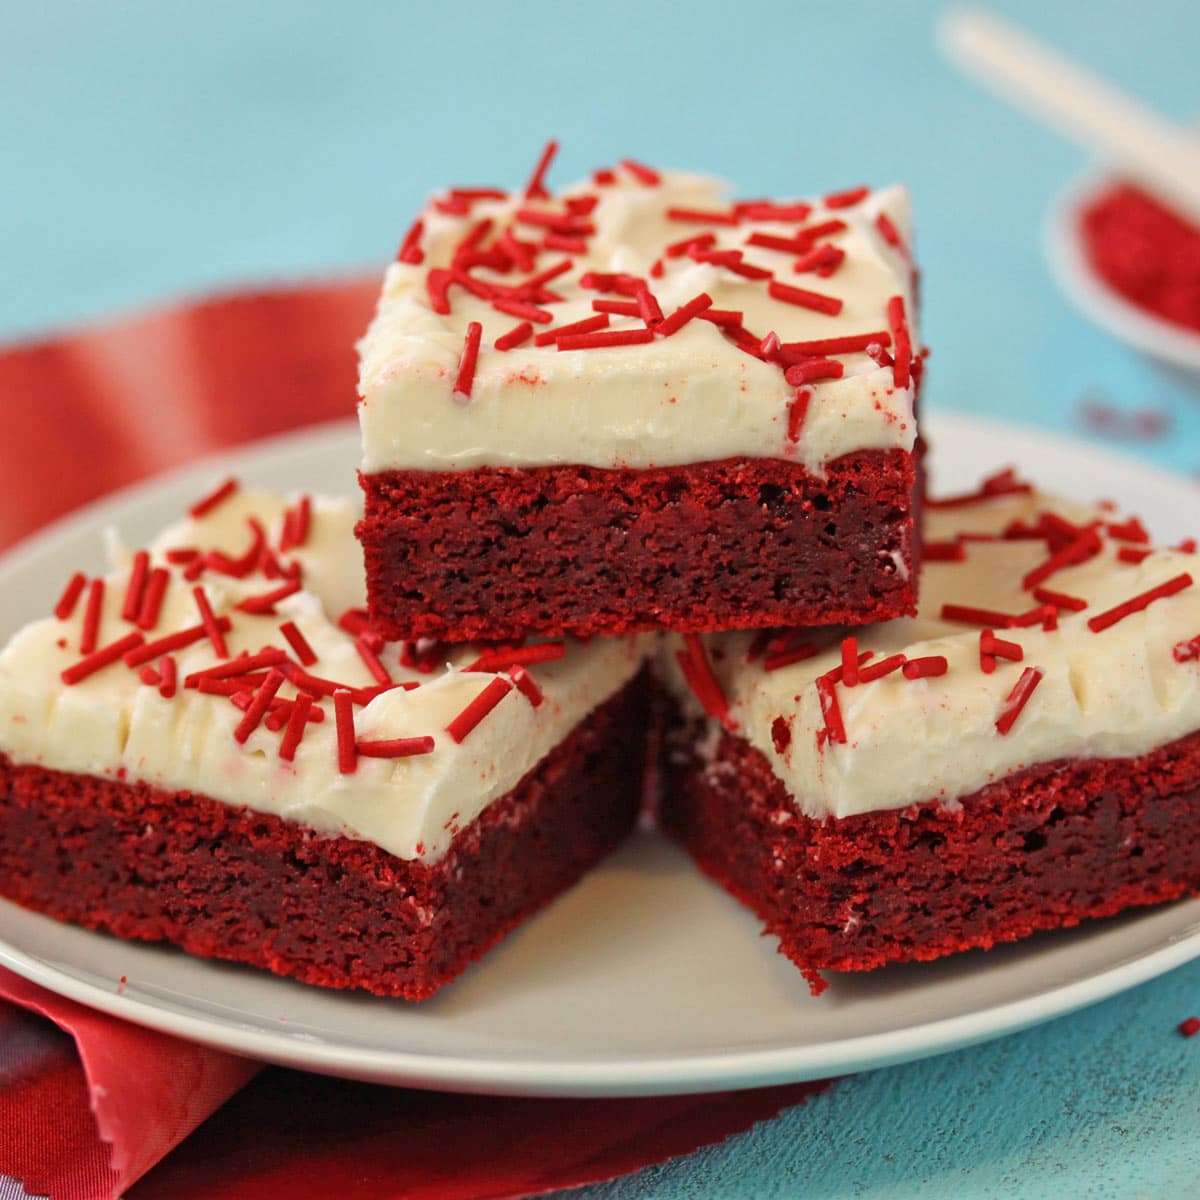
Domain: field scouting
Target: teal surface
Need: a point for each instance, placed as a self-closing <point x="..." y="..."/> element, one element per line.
<point x="151" y="149"/>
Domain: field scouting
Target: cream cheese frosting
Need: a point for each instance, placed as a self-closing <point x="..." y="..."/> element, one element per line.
<point x="112" y="724"/>
<point x="1116" y="692"/>
<point x="690" y="397"/>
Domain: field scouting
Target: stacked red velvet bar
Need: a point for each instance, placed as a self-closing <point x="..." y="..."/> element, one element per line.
<point x="637" y="405"/>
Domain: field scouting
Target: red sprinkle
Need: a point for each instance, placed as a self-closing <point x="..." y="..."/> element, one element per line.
<point x="149" y="676"/>
<point x="296" y="522"/>
<point x="172" y="642"/>
<point x="70" y="596"/>
<point x="777" y="659"/>
<point x="1002" y="483"/>
<point x="835" y="727"/>
<point x="355" y="621"/>
<point x="526" y="685"/>
<point x="648" y="307"/>
<point x="727" y="318"/>
<point x="699" y="241"/>
<point x="368" y="655"/>
<point x="258" y="706"/>
<point x="925" y="668"/>
<point x="211" y="627"/>
<point x="1190" y="1027"/>
<point x="1059" y="599"/>
<point x="890" y="233"/>
<point x="991" y="648"/>
<point x="205" y="505"/>
<point x="770" y="241"/>
<point x="848" y="198"/>
<point x="136" y="585"/>
<point x="1187" y="651"/>
<point x="167" y="677"/>
<point x="535" y="189"/>
<point x="296" y="725"/>
<point x="465" y="722"/>
<point x="518" y="335"/>
<point x="605" y="177"/>
<point x="410" y="249"/>
<point x="523" y="311"/>
<point x="764" y="210"/>
<point x="969" y="615"/>
<point x="608" y="337"/>
<point x="343" y="711"/>
<point x="264" y="603"/>
<point x="565" y="243"/>
<point x="697" y="670"/>
<point x="823" y="259"/>
<point x="1129" y="531"/>
<point x="702" y="217"/>
<point x="97" y="660"/>
<point x="1134" y="554"/>
<point x="587" y="325"/>
<point x="396" y="747"/>
<point x="850" y="662"/>
<point x="814" y="370"/>
<point x="567" y="223"/>
<point x="795" y="351"/>
<point x="641" y="172"/>
<point x="943" y="551"/>
<point x="243" y="665"/>
<point x="1044" y="614"/>
<point x="804" y="299"/>
<point x="466" y="364"/>
<point x="1104" y="620"/>
<point x="299" y="643"/>
<point x="91" y="617"/>
<point x="618" y="308"/>
<point x="898" y="320"/>
<point x="152" y="598"/>
<point x="683" y="314"/>
<point x="797" y="411"/>
<point x="500" y="660"/>
<point x="1017" y="699"/>
<point x="877" y="670"/>
<point x="1086" y="545"/>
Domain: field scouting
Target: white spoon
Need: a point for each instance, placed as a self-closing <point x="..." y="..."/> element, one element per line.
<point x="1161" y="156"/>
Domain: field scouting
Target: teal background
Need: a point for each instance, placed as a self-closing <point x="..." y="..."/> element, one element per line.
<point x="154" y="149"/>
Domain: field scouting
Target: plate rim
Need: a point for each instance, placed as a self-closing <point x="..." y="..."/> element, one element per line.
<point x="587" y="1077"/>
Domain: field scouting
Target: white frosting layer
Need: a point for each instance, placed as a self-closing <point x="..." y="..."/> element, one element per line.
<point x="111" y="724"/>
<point x="692" y="397"/>
<point x="1114" y="693"/>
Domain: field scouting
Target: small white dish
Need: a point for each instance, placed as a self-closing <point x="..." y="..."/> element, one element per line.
<point x="1094" y="297"/>
<point x="644" y="979"/>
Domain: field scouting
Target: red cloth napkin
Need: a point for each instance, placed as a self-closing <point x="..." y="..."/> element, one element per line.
<point x="88" y="1104"/>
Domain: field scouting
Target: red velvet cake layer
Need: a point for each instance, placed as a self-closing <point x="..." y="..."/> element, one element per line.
<point x="497" y="553"/>
<point x="226" y="882"/>
<point x="1046" y="847"/>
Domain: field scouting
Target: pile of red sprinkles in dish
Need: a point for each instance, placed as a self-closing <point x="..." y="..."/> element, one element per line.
<point x="252" y="683"/>
<point x="1146" y="252"/>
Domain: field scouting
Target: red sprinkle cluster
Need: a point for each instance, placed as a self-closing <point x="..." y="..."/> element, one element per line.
<point x="252" y="682"/>
<point x="542" y="224"/>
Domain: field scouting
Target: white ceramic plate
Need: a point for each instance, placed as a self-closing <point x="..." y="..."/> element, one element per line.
<point x="646" y="978"/>
<point x="1091" y="294"/>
